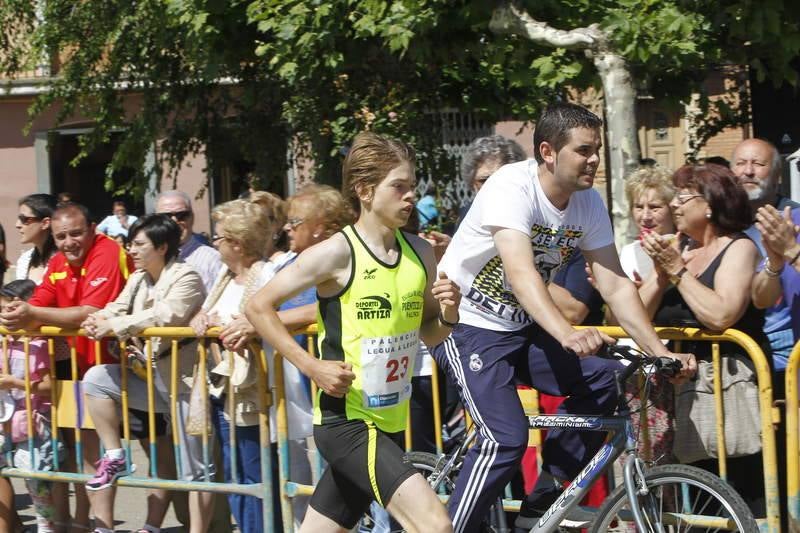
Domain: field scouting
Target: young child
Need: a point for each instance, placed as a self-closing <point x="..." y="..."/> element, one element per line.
<point x="15" y="444"/>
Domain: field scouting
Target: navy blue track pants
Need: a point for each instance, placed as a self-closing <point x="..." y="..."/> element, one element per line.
<point x="484" y="364"/>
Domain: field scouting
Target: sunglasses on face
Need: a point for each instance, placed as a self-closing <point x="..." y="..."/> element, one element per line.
<point x="25" y="220"/>
<point x="179" y="216"/>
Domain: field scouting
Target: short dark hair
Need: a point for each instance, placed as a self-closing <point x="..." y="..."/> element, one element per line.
<point x="556" y="122"/>
<point x="19" y="288"/>
<point x="490" y="148"/>
<point x="63" y="207"/>
<point x="160" y="229"/>
<point x="730" y="206"/>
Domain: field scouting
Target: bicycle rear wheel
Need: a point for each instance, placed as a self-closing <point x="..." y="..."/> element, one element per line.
<point x="681" y="498"/>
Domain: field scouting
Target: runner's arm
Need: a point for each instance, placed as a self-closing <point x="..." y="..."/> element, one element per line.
<point x="328" y="261"/>
<point x="442" y="296"/>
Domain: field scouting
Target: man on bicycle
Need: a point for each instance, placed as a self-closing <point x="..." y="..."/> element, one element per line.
<point x="524" y="224"/>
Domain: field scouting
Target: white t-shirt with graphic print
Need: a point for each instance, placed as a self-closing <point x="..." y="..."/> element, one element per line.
<point x="513" y="198"/>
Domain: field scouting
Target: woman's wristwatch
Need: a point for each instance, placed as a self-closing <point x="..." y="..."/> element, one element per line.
<point x="675" y="279"/>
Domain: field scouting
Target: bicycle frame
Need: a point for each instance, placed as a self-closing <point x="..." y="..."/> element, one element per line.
<point x="622" y="439"/>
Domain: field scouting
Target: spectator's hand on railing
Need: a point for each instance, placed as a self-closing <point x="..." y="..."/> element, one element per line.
<point x="16" y="315"/>
<point x="333" y="377"/>
<point x="96" y="327"/>
<point x="237" y="333"/>
<point x="200" y="323"/>
<point x="689" y="367"/>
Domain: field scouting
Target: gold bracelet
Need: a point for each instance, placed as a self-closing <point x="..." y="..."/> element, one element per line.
<point x="769" y="271"/>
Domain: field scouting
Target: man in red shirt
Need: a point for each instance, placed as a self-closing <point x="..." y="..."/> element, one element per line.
<point x="87" y="273"/>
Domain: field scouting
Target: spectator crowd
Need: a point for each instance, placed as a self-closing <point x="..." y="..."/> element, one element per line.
<point x="716" y="247"/>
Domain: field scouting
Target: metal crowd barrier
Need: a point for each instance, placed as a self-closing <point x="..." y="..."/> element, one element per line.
<point x="68" y="411"/>
<point x="769" y="415"/>
<point x="290" y="489"/>
<point x="792" y="438"/>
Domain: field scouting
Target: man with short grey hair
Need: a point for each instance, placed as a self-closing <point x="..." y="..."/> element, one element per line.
<point x="757" y="165"/>
<point x="194" y="249"/>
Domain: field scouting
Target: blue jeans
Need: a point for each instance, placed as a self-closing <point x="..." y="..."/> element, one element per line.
<point x="246" y="509"/>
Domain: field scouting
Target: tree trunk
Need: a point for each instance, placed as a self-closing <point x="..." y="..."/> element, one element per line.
<point x="621" y="135"/>
<point x="618" y="92"/>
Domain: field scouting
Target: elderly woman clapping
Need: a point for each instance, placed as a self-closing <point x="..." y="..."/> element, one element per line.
<point x="704" y="279"/>
<point x="162" y="292"/>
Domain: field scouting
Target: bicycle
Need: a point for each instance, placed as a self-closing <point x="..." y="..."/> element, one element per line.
<point x="668" y="498"/>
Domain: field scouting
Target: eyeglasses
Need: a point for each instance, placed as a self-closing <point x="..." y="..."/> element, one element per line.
<point x="294" y="222"/>
<point x="180" y="216"/>
<point x="216" y="238"/>
<point x="683" y="198"/>
<point x="27" y="220"/>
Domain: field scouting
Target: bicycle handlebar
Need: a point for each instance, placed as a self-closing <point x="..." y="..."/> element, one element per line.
<point x="666" y="366"/>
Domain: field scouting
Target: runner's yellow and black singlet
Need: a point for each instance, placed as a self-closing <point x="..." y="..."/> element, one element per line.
<point x="373" y="323"/>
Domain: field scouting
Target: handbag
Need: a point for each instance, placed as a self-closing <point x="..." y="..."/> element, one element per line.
<point x="695" y="412"/>
<point x="198" y="416"/>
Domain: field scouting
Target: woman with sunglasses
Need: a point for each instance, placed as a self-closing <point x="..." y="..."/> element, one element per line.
<point x="33" y="224"/>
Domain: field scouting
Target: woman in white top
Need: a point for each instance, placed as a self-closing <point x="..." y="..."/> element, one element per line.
<point x="649" y="191"/>
<point x="33" y="224"/>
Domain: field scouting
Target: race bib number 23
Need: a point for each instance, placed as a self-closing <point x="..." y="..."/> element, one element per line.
<point x="387" y="366"/>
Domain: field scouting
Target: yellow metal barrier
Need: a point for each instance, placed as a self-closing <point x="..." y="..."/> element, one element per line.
<point x="61" y="411"/>
<point x="792" y="438"/>
<point x="768" y="414"/>
<point x="68" y="411"/>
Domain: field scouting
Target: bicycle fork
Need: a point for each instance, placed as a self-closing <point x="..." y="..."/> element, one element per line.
<point x="637" y="491"/>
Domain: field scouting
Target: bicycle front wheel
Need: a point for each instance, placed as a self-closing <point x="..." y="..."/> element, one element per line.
<point x="680" y="498"/>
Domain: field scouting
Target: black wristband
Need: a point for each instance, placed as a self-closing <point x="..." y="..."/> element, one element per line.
<point x="445" y="322"/>
<point x="794" y="259"/>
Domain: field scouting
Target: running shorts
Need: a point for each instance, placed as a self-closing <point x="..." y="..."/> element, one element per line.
<point x="364" y="464"/>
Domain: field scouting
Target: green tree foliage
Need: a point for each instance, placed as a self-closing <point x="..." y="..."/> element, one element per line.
<point x="246" y="77"/>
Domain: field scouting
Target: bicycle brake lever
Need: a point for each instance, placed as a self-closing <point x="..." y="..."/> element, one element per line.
<point x="668" y="366"/>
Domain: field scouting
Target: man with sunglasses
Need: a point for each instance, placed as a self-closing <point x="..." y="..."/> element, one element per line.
<point x="194" y="248"/>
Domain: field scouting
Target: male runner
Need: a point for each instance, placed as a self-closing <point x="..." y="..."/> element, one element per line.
<point x="377" y="298"/>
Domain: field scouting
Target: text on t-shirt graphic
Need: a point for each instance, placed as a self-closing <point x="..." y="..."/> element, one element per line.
<point x="490" y="290"/>
<point x="552" y="247"/>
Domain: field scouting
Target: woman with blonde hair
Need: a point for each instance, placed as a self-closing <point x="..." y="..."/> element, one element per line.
<point x="649" y="191"/>
<point x="243" y="235"/>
